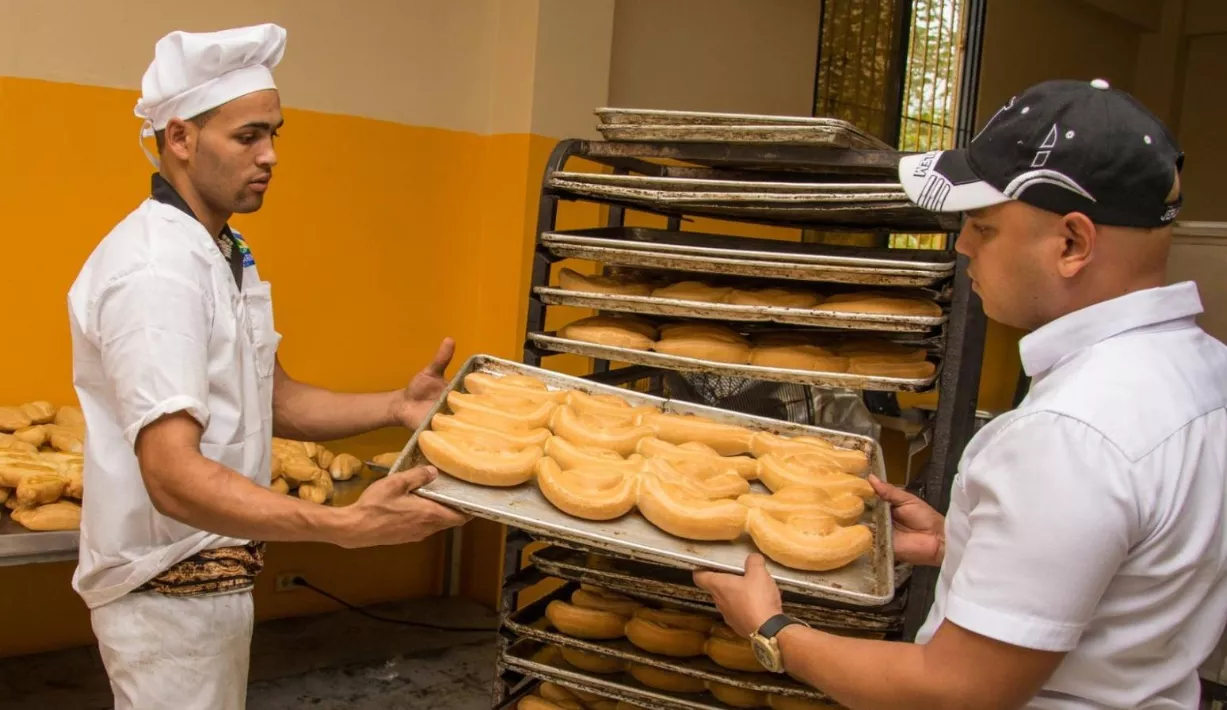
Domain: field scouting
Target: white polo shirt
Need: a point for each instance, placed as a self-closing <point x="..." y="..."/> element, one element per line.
<point x="159" y="326"/>
<point x="1091" y="519"/>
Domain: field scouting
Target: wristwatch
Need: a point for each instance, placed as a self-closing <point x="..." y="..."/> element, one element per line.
<point x="766" y="647"/>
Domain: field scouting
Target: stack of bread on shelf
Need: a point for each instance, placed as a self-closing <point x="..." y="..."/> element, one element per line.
<point x="595" y="614"/>
<point x="792" y="350"/>
<point x="597" y="457"/>
<point x="865" y="302"/>
<point x="308" y="470"/>
<point x="41" y="465"/>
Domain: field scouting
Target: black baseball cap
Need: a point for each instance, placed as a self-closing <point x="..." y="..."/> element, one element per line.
<point x="1061" y="146"/>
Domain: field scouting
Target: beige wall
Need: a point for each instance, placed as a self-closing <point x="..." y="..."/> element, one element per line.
<point x="715" y="55"/>
<point x="1203" y="115"/>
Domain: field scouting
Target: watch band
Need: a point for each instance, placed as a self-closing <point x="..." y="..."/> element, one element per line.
<point x="775" y="624"/>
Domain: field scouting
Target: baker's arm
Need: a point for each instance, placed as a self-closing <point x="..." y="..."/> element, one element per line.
<point x="308" y="413"/>
<point x="185" y="485"/>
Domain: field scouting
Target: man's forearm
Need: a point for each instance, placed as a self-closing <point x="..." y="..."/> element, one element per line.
<point x="860" y="673"/>
<point x="308" y="413"/>
<point x="207" y="495"/>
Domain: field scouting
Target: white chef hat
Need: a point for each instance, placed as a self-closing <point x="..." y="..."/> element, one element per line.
<point x="192" y="73"/>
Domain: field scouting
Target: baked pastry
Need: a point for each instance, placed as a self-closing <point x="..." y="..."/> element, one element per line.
<point x="386" y="460"/>
<point x="42" y="412"/>
<point x="698" y="454"/>
<point x="344" y="467"/>
<point x="588" y="597"/>
<point x="876" y="366"/>
<point x="298" y="469"/>
<point x="325" y="458"/>
<point x="699" y="480"/>
<point x="569" y="456"/>
<point x="479" y="459"/>
<point x="613" y="331"/>
<point x="772" y="297"/>
<point x="794" y="501"/>
<point x="516" y="439"/>
<point x="672" y="509"/>
<point x="70" y="417"/>
<point x="506" y="414"/>
<point x="592" y="662"/>
<point x="728" y="650"/>
<point x="737" y="697"/>
<point x="588" y="493"/>
<point x="779" y="471"/>
<point x="879" y="348"/>
<point x="317" y="492"/>
<point x="814" y="543"/>
<point x="8" y="443"/>
<point x="679" y="619"/>
<point x="693" y="291"/>
<point x="666" y="680"/>
<point x="725" y="439"/>
<point x="35" y="436"/>
<point x="13" y="471"/>
<point x="41" y="488"/>
<point x="709" y="331"/>
<point x="571" y="280"/>
<point x="585" y="623"/>
<point x="704" y="349"/>
<point x="13" y="419"/>
<point x="519" y="386"/>
<point x="60" y="515"/>
<point x="875" y="302"/>
<point x="598" y="432"/>
<point x="852" y="461"/>
<point x="653" y="636"/>
<point x="604" y="405"/>
<point x="279" y="485"/>
<point x="798" y="357"/>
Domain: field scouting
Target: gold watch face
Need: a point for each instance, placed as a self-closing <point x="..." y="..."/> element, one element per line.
<point x="767" y="653"/>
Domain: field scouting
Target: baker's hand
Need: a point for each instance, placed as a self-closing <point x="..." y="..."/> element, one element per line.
<point x="425" y="388"/>
<point x="745" y="601"/>
<point x="920" y="531"/>
<point x="387" y="512"/>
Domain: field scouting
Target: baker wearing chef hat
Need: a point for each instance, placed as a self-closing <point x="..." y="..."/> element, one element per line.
<point x="175" y="364"/>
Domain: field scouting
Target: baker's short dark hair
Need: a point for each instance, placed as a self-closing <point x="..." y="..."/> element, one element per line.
<point x="159" y="137"/>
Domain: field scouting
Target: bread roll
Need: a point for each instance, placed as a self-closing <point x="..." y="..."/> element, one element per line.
<point x="699" y="481"/>
<point x="61" y="515"/>
<point x="588" y="597"/>
<point x="693" y="291"/>
<point x="811" y="543"/>
<point x="345" y="467"/>
<point x="41" y="488"/>
<point x="386" y="460"/>
<point x="617" y="332"/>
<point x="35" y="436"/>
<point x="878" y="348"/>
<point x="41" y="412"/>
<point x="70" y="417"/>
<point x="324" y="457"/>
<point x="569" y="456"/>
<point x="672" y="641"/>
<point x="806" y="501"/>
<point x="519" y="386"/>
<point x="314" y="493"/>
<point x="8" y="442"/>
<point x="779" y="471"/>
<point x="728" y="650"/>
<point x="279" y="485"/>
<point x="678" y="619"/>
<point x="556" y="693"/>
<point x="596" y="432"/>
<point x="588" y="493"/>
<point x="709" y="349"/>
<point x="884" y="303"/>
<point x="687" y="516"/>
<point x="516" y="439"/>
<point x="666" y="680"/>
<point x="76" y="483"/>
<point x="680" y="429"/>
<point x="737" y="697"/>
<point x="799" y="357"/>
<point x="604" y="405"/>
<point x="65" y="441"/>
<point x="709" y="331"/>
<point x="585" y="623"/>
<point x="506" y="414"/>
<point x="478" y="459"/>
<point x="299" y="470"/>
<point x="12" y="419"/>
<point x="695" y="453"/>
<point x="772" y="297"/>
<point x="571" y="280"/>
<point x="592" y="662"/>
<point x="874" y="366"/>
<point x="12" y="472"/>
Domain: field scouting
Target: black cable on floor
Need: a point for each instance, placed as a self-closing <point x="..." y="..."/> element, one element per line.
<point x="300" y="582"/>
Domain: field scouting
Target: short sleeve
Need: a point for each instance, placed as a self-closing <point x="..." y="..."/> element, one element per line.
<point x="152" y="329"/>
<point x="1052" y="518"/>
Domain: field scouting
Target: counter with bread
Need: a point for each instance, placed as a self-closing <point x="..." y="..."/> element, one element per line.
<point x="621" y="625"/>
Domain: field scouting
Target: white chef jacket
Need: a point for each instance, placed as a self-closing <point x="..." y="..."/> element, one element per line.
<point x="1091" y="518"/>
<point x="159" y="326"/>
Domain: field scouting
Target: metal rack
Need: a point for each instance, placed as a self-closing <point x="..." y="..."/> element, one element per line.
<point x="958" y="339"/>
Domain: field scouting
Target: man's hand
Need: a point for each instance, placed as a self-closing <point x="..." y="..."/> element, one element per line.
<point x="920" y="531"/>
<point x="745" y="601"/>
<point x="425" y="388"/>
<point x="388" y="513"/>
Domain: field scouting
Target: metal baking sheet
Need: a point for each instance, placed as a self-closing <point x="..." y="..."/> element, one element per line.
<point x="530" y="622"/>
<point x="19" y="546"/>
<point x="733" y="188"/>
<point x="646" y="117"/>
<point x="549" y="341"/>
<point x="529" y="657"/>
<point x="668" y="585"/>
<point x="776" y="135"/>
<point x="869" y="581"/>
<point x="750" y="248"/>
<point x="652" y="306"/>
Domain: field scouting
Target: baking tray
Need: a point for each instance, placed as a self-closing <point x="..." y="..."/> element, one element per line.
<point x="554" y="343"/>
<point x="775" y="135"/>
<point x="732" y="190"/>
<point x="761" y="258"/>
<point x="672" y="586"/>
<point x="532" y="658"/>
<point x="869" y="581"/>
<point x="530" y="622"/>
<point x="652" y="306"/>
<point x="639" y="116"/>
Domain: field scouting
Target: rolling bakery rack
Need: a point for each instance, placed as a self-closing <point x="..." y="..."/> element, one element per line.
<point x="836" y="179"/>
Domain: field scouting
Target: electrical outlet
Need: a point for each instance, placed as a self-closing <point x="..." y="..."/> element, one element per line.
<point x="284" y="582"/>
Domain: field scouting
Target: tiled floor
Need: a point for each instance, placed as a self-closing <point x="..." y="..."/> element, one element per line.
<point x="340" y="660"/>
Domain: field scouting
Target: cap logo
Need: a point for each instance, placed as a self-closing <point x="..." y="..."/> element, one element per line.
<point x="1009" y="105"/>
<point x="926" y="162"/>
<point x="1043" y="177"/>
<point x="1050" y="142"/>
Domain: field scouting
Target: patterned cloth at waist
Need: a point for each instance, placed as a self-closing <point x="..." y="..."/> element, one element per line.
<point x="226" y="569"/>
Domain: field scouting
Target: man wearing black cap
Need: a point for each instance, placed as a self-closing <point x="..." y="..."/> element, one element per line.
<point x="1083" y="563"/>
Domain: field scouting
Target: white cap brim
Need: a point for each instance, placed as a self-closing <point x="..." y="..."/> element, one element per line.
<point x="943" y="181"/>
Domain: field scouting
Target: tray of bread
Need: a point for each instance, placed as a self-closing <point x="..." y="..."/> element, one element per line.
<point x="659" y="585"/>
<point x="642" y="294"/>
<point x="679" y="484"/>
<point x="758" y="258"/>
<point x="808" y="358"/>
<point x="584" y="673"/>
<point x="622" y="124"/>
<point x="698" y="645"/>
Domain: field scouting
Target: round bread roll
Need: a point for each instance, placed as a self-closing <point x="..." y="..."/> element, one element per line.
<point x="671" y="331"/>
<point x="878" y="348"/>
<point x="672" y="509"/>
<point x="604" y="600"/>
<point x="728" y="650"/>
<point x="693" y="291"/>
<point x="592" y="662"/>
<point x="773" y="297"/>
<point x="737" y="697"/>
<point x="588" y="493"/>
<point x="709" y="349"/>
<point x="597" y="432"/>
<point x="848" y="460"/>
<point x="663" y="639"/>
<point x="779" y="471"/>
<point x="886" y="367"/>
<point x="798" y="357"/>
<point x="884" y="303"/>
<point x="618" y="332"/>
<point x="585" y="623"/>
<point x="666" y="680"/>
<point x="814" y="543"/>
<point x="571" y="280"/>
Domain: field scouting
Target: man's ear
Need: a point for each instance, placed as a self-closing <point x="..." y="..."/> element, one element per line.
<point x="180" y="139"/>
<point x="1080" y="234"/>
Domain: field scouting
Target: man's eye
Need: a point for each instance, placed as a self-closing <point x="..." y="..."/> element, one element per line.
<point x="247" y="138"/>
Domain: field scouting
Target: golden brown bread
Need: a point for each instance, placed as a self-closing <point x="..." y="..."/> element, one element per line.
<point x="70" y="417"/>
<point x="35" y="436"/>
<point x="710" y="331"/>
<point x="324" y="457"/>
<point x="479" y="459"/>
<point x="345" y="467"/>
<point x="10" y="443"/>
<point x="595" y="493"/>
<point x="884" y="303"/>
<point x="12" y="471"/>
<point x="279" y="485"/>
<point x="617" y="332"/>
<point x="386" y="460"/>
<point x="41" y="488"/>
<point x="772" y="297"/>
<point x="666" y="680"/>
<point x="13" y="419"/>
<point x="61" y="515"/>
<point x="799" y="357"/>
<point x="571" y="280"/>
<point x="875" y="366"/>
<point x="693" y="291"/>
<point x="40" y="412"/>
<point x="704" y="348"/>
<point x="877" y="348"/>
